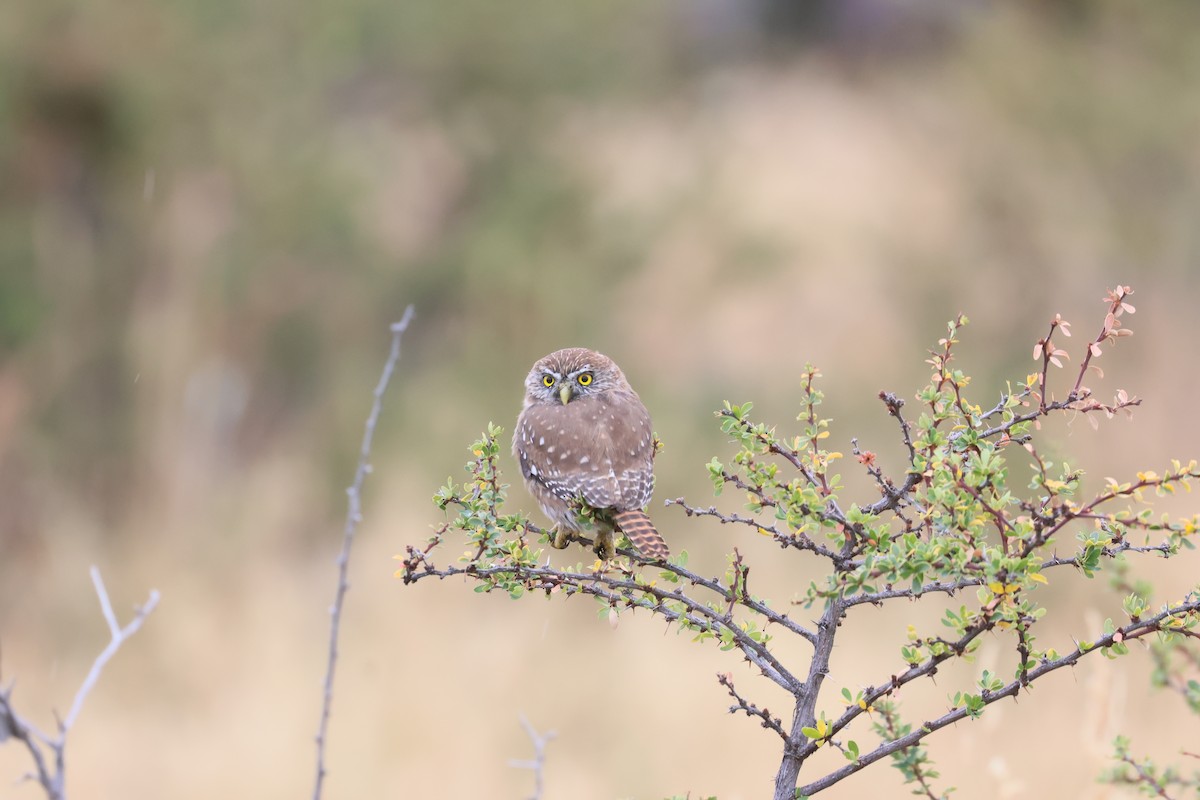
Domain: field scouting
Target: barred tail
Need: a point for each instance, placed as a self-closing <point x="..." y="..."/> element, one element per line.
<point x="641" y="531"/>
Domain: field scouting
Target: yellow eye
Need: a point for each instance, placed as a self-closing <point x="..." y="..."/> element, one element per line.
<point x="585" y="379"/>
<point x="547" y="381"/>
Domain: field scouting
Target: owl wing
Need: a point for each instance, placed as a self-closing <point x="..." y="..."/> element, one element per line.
<point x="631" y="443"/>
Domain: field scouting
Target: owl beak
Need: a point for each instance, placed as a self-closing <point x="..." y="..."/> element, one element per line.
<point x="564" y="394"/>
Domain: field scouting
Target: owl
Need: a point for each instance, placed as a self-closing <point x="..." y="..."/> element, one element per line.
<point x="584" y="435"/>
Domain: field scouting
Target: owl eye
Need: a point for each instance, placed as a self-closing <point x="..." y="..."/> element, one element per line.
<point x="547" y="381"/>
<point x="585" y="379"/>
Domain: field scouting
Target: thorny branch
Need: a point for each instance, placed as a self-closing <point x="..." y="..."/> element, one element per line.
<point x="620" y="591"/>
<point x="894" y="498"/>
<point x="797" y="541"/>
<point x="947" y="512"/>
<point x="750" y="709"/>
<point x="1134" y="630"/>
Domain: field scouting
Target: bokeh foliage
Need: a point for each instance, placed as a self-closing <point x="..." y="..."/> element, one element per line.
<point x="283" y="178"/>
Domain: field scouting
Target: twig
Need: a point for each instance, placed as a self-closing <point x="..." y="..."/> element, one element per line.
<point x="353" y="518"/>
<point x="750" y="709"/>
<point x="1143" y="778"/>
<point x="538" y="763"/>
<point x="913" y="767"/>
<point x="52" y="778"/>
<point x="118" y="634"/>
<point x="797" y="540"/>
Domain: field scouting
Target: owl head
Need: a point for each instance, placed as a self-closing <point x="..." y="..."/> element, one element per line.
<point x="570" y="374"/>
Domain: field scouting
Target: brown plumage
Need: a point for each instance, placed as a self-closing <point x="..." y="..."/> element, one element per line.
<point x="583" y="434"/>
<point x="641" y="531"/>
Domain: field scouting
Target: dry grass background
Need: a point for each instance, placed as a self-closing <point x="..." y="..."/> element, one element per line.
<point x="190" y="348"/>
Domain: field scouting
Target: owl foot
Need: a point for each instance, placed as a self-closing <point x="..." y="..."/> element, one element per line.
<point x="605" y="547"/>
<point x="560" y="538"/>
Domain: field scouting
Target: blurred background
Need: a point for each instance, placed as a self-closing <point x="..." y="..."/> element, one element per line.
<point x="211" y="211"/>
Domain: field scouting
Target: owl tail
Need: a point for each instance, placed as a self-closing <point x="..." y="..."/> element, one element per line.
<point x="641" y="531"/>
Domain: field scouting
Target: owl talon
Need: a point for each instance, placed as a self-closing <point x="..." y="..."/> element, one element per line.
<point x="560" y="539"/>
<point x="605" y="547"/>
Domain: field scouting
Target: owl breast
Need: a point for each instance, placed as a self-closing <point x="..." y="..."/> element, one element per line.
<point x="597" y="448"/>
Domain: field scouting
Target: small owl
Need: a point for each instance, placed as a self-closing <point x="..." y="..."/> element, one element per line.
<point x="583" y="434"/>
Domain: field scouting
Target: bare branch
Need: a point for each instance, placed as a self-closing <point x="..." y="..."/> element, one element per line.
<point x="538" y="763"/>
<point x="34" y="740"/>
<point x="353" y="518"/>
<point x="118" y="637"/>
<point x="42" y="747"/>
